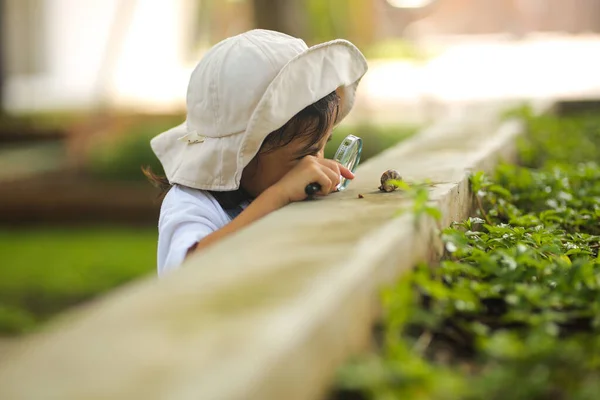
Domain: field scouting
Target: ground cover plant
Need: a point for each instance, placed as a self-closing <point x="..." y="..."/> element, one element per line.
<point x="513" y="309"/>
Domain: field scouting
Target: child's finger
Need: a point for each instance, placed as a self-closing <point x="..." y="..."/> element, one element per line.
<point x="338" y="168"/>
<point x="346" y="173"/>
<point x="325" y="182"/>
<point x="334" y="176"/>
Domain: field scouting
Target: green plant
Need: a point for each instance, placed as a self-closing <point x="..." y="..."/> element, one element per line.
<point x="46" y="270"/>
<point x="513" y="309"/>
<point x="420" y="204"/>
<point x="551" y="140"/>
<point x="122" y="159"/>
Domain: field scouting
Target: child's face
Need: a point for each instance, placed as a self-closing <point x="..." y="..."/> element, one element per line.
<point x="266" y="169"/>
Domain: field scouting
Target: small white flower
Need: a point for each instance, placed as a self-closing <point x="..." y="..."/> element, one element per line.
<point x="552" y="203"/>
<point x="565" y="196"/>
<point x="451" y="247"/>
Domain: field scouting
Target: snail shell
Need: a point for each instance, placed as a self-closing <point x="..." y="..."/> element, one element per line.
<point x="386" y="177"/>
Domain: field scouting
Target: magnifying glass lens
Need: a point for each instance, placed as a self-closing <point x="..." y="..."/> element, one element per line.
<point x="348" y="155"/>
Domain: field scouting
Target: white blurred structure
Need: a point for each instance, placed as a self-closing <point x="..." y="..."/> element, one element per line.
<point x="73" y="54"/>
<point x="138" y="54"/>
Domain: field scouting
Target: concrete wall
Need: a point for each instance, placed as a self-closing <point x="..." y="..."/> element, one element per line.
<point x="270" y="312"/>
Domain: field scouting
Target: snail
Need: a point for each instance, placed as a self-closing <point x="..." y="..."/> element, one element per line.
<point x="386" y="177"/>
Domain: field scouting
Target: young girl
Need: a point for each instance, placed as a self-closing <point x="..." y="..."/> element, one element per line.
<point x="260" y="108"/>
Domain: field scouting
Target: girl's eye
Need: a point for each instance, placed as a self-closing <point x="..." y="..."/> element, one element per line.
<point x="313" y="153"/>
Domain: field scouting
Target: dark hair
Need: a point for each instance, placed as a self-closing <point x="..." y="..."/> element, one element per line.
<point x="310" y="124"/>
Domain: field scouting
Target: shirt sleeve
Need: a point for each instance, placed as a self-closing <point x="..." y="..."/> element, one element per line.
<point x="183" y="222"/>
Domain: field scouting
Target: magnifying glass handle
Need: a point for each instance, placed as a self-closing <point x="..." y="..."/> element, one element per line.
<point x="312" y="188"/>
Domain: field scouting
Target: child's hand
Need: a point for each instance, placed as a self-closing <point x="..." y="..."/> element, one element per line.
<point x="311" y="169"/>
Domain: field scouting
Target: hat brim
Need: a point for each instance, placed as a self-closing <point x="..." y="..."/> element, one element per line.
<point x="321" y="69"/>
<point x="182" y="161"/>
<point x="305" y="79"/>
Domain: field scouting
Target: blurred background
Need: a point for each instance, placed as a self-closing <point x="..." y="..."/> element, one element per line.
<point x="85" y="84"/>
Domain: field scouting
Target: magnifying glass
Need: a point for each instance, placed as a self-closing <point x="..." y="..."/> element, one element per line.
<point x="348" y="154"/>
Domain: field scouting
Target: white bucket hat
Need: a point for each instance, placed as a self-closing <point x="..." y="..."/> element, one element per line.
<point x="244" y="88"/>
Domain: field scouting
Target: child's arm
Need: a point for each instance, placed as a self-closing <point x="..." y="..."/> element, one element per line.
<point x="264" y="204"/>
<point x="289" y="189"/>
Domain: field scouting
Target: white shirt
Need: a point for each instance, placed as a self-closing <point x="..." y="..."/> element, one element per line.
<point x="186" y="216"/>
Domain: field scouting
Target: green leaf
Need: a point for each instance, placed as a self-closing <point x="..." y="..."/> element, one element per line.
<point x="434" y="212"/>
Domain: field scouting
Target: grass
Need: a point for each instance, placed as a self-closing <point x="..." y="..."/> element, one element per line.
<point x="45" y="270"/>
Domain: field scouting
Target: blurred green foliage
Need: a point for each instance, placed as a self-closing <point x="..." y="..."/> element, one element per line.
<point x="46" y="270"/>
<point x="328" y="19"/>
<point x="395" y="49"/>
<point x="376" y="138"/>
<point x="556" y="141"/>
<point x="121" y="159"/>
<point x="351" y="20"/>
